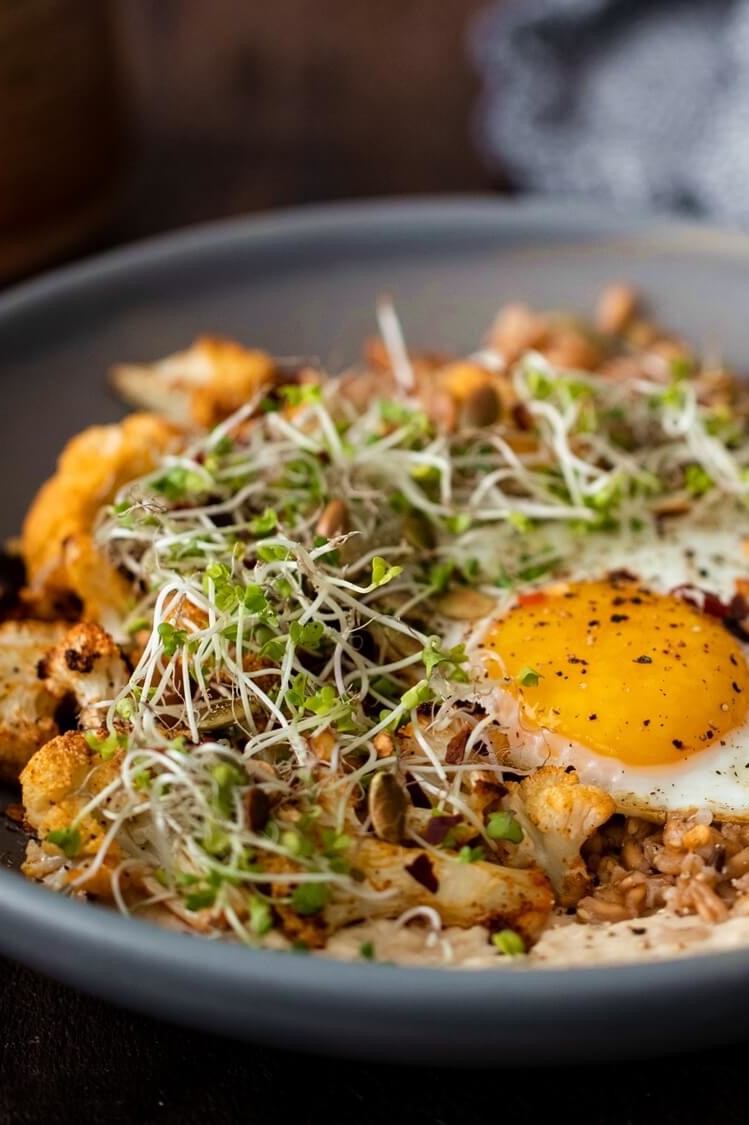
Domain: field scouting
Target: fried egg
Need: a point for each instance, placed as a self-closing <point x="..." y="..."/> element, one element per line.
<point x="621" y="677"/>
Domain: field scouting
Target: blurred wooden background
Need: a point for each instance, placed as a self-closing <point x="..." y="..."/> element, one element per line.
<point x="229" y="106"/>
<point x="239" y="105"/>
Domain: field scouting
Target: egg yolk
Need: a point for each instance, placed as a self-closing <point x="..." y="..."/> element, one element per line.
<point x="631" y="674"/>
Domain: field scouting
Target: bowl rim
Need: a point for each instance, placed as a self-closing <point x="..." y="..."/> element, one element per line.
<point x="76" y="932"/>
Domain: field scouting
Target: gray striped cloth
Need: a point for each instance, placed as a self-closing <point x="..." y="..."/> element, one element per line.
<point x="643" y="102"/>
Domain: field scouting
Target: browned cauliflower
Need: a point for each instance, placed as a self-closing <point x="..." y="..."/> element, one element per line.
<point x="462" y="894"/>
<point x="197" y="387"/>
<point x="87" y="664"/>
<point x="27" y="705"/>
<point x="56" y="542"/>
<point x="558" y="815"/>
<point x="56" y="784"/>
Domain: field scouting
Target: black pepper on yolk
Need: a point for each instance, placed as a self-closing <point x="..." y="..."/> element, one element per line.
<point x="631" y="674"/>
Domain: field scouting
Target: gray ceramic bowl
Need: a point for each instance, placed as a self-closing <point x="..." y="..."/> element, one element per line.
<point x="306" y="283"/>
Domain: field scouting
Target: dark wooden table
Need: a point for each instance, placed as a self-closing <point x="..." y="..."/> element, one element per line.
<point x="239" y="107"/>
<point x="67" y="1058"/>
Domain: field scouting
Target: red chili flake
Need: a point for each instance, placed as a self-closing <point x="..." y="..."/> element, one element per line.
<point x="732" y="614"/>
<point x="532" y="599"/>
<point x="422" y="871"/>
<point x="438" y="828"/>
<point x="621" y="575"/>
<point x="703" y="600"/>
<point x="522" y="416"/>
<point x="456" y="748"/>
<point x="418" y="797"/>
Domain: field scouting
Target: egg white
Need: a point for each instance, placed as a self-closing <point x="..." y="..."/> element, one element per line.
<point x="707" y="553"/>
<point x="716" y="778"/>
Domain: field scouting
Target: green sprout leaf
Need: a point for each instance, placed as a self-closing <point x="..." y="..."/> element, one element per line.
<point x="261" y="916"/>
<point x="396" y="414"/>
<point x="179" y="482"/>
<point x="108" y="746"/>
<point x="307" y="636"/>
<point x="323" y="701"/>
<point x="439" y="575"/>
<point x="503" y="826"/>
<point x="226" y="777"/>
<point x="697" y="480"/>
<point x="509" y="942"/>
<point x="264" y="524"/>
<point x="310" y="898"/>
<point x="171" y="639"/>
<point x="529" y="677"/>
<point x="383" y="572"/>
<point x="458" y="524"/>
<point x="520" y="521"/>
<point x="301" y="394"/>
<point x="68" y="840"/>
<point x="448" y="660"/>
<point x="200" y="899"/>
<point x="415" y="696"/>
<point x="273" y="552"/>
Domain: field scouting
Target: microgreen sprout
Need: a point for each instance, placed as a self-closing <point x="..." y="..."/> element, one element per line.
<point x="509" y="942"/>
<point x="504" y="826"/>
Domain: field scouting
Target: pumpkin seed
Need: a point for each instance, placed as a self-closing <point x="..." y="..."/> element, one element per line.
<point x="464" y="604"/>
<point x="480" y="408"/>
<point x="333" y="520"/>
<point x="256" y="808"/>
<point x="387" y="802"/>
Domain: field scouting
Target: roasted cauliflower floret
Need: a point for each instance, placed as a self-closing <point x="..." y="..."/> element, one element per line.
<point x="197" y="387"/>
<point x="56" y="542"/>
<point x="27" y="705"/>
<point x="58" y="782"/>
<point x="462" y="894"/>
<point x="558" y="815"/>
<point x="87" y="664"/>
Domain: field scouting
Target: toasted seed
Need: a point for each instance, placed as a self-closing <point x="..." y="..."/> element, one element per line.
<point x="333" y="520"/>
<point x="481" y="407"/>
<point x="465" y="605"/>
<point x="617" y="306"/>
<point x="222" y="713"/>
<point x="387" y="804"/>
<point x="672" y="506"/>
<point x="522" y="417"/>
<point x="256" y="808"/>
